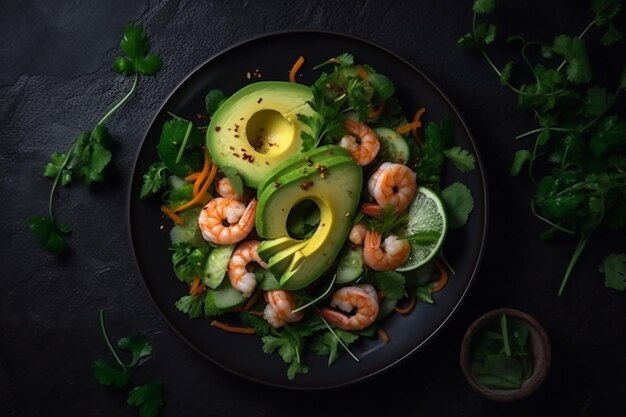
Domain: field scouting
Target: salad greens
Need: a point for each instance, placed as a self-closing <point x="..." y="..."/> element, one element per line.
<point x="346" y="89"/>
<point x="577" y="160"/>
<point x="148" y="397"/>
<point x="90" y="154"/>
<point x="502" y="357"/>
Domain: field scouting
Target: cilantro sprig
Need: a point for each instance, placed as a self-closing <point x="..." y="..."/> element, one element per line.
<point x="577" y="161"/>
<point x="148" y="397"/>
<point x="90" y="154"/>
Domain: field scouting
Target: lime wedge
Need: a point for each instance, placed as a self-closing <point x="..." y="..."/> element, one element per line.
<point x="427" y="227"/>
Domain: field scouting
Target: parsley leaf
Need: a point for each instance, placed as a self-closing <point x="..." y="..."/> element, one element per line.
<point x="109" y="376"/>
<point x="519" y="159"/>
<point x="574" y="52"/>
<point x="459" y="203"/>
<point x="148" y="397"/>
<point x="461" y="158"/>
<point x="91" y="155"/>
<point x="614" y="269"/>
<point x="432" y="158"/>
<point x="192" y="305"/>
<point x="136" y="46"/>
<point x="49" y="233"/>
<point x="327" y="344"/>
<point x="138" y="346"/>
<point x="391" y="283"/>
<point x="290" y="345"/>
<point x="154" y="179"/>
<point x="327" y="121"/>
<point x="57" y="166"/>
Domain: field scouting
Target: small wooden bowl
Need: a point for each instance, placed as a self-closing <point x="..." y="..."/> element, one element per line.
<point x="540" y="345"/>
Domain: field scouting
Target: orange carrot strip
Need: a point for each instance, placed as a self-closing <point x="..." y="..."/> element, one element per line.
<point x="201" y="194"/>
<point x="408" y="127"/>
<point x="416" y="119"/>
<point x="172" y="215"/>
<point x="407" y="310"/>
<point x="375" y="114"/>
<point x="443" y="276"/>
<point x="295" y="68"/>
<point x="191" y="177"/>
<point x="202" y="176"/>
<point x="361" y="71"/>
<point x="233" y="329"/>
<point x="251" y="300"/>
<point x="197" y="287"/>
<point x="383" y="336"/>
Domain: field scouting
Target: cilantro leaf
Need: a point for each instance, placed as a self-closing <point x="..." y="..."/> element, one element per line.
<point x="327" y="344"/>
<point x="49" y="233"/>
<point x="430" y="163"/>
<point x="343" y="60"/>
<point x="213" y="100"/>
<point x="505" y="73"/>
<point x="614" y="269"/>
<point x="109" y="376"/>
<point x="154" y="179"/>
<point x="609" y="135"/>
<point x="574" y="51"/>
<point x="57" y="163"/>
<point x="605" y="10"/>
<point x="459" y="203"/>
<point x="138" y="346"/>
<point x="519" y="159"/>
<point x="136" y="46"/>
<point x="192" y="305"/>
<point x="483" y="6"/>
<point x="327" y="121"/>
<point x="90" y="155"/>
<point x="597" y="101"/>
<point x="461" y="158"/>
<point x="611" y="36"/>
<point x="260" y="325"/>
<point x="148" y="397"/>
<point x="290" y="346"/>
<point x="391" y="283"/>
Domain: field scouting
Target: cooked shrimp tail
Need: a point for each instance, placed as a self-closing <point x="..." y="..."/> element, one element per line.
<point x="362" y="142"/>
<point x="240" y="278"/>
<point x="225" y="221"/>
<point x="359" y="298"/>
<point x="279" y="308"/>
<point x="390" y="254"/>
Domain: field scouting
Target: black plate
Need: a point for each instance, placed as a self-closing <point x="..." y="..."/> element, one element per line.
<point x="274" y="55"/>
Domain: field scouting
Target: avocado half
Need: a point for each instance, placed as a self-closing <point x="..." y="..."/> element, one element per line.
<point x="257" y="128"/>
<point x="334" y="185"/>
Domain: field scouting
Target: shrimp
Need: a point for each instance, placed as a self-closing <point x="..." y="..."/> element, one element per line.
<point x="225" y="221"/>
<point x="240" y="278"/>
<point x="392" y="253"/>
<point x="364" y="149"/>
<point x="361" y="297"/>
<point x="278" y="310"/>
<point x="357" y="233"/>
<point x="225" y="189"/>
<point x="393" y="184"/>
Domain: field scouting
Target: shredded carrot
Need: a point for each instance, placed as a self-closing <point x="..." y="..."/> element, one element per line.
<point x="296" y="67"/>
<point x="233" y="329"/>
<point x="443" y="276"/>
<point x="375" y="114"/>
<point x="202" y="175"/>
<point x="197" y="287"/>
<point x="383" y="336"/>
<point x="407" y="310"/>
<point x="361" y="71"/>
<point x="198" y="198"/>
<point x="414" y="125"/>
<point x="191" y="177"/>
<point x="172" y="215"/>
<point x="416" y="119"/>
<point x="251" y="300"/>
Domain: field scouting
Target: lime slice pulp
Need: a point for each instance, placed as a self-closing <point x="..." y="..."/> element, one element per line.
<point x="428" y="225"/>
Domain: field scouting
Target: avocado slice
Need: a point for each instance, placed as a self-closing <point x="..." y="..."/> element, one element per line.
<point x="336" y="195"/>
<point x="257" y="128"/>
<point x="309" y="158"/>
<point x="269" y="248"/>
<point x="279" y="262"/>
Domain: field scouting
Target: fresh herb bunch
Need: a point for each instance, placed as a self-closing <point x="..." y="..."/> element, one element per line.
<point x="578" y="159"/>
<point x="90" y="154"/>
<point x="147" y="397"/>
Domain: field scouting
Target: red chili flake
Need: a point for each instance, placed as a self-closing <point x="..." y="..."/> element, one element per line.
<point x="267" y="163"/>
<point x="236" y="136"/>
<point x="236" y="155"/>
<point x="259" y="100"/>
<point x="277" y="184"/>
<point x="306" y="185"/>
<point x="243" y="150"/>
<point x="251" y="158"/>
<point x="241" y="118"/>
<point x="232" y="148"/>
<point x="218" y="128"/>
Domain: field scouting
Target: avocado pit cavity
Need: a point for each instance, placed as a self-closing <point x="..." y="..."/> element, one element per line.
<point x="267" y="129"/>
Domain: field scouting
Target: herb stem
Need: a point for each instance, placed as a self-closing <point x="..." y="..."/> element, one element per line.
<point x="316" y="299"/>
<point x="106" y="338"/>
<point x="582" y="34"/>
<point x="58" y="177"/>
<point x="505" y="335"/>
<point x="540" y="129"/>
<point x="584" y="238"/>
<point x="556" y="226"/>
<point x="120" y="103"/>
<point x="343" y="345"/>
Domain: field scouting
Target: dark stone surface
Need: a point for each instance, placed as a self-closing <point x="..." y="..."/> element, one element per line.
<point x="55" y="80"/>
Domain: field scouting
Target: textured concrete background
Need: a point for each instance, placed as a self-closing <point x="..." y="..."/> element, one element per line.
<point x="55" y="80"/>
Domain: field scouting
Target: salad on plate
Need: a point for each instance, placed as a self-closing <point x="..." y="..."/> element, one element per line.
<point x="307" y="214"/>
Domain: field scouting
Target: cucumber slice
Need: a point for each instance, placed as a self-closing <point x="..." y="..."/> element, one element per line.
<point x="189" y="231"/>
<point x="220" y="300"/>
<point x="393" y="145"/>
<point x="350" y="266"/>
<point x="216" y="265"/>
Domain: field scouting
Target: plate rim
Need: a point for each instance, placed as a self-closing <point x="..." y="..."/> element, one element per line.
<point x="479" y="165"/>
